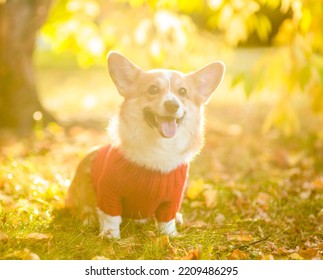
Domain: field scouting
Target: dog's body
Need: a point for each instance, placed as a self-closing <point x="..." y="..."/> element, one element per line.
<point x="158" y="130"/>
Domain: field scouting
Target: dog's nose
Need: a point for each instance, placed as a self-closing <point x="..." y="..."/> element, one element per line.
<point x="171" y="106"/>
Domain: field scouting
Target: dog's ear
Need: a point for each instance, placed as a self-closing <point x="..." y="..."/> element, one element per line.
<point x="207" y="79"/>
<point x="123" y="72"/>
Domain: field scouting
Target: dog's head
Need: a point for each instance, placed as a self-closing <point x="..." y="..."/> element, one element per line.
<point x="165" y="96"/>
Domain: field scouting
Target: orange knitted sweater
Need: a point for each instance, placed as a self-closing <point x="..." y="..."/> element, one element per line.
<point x="125" y="189"/>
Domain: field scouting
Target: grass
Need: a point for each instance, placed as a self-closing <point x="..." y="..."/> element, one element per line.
<point x="250" y="195"/>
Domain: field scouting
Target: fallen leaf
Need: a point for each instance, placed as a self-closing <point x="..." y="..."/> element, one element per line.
<point x="219" y="219"/>
<point x="283" y="251"/>
<point x="38" y="236"/>
<point x="239" y="236"/>
<point x="318" y="184"/>
<point x="194" y="254"/>
<point x="5" y="199"/>
<point x="305" y="195"/>
<point x="238" y="255"/>
<point x="163" y="241"/>
<point x="267" y="257"/>
<point x="25" y="254"/>
<point x="197" y="204"/>
<point x="3" y="236"/>
<point x="195" y="189"/>
<point x="271" y="246"/>
<point x="210" y="196"/>
<point x="296" y="256"/>
<point x="308" y="253"/>
<point x="100" y="258"/>
<point x="263" y="200"/>
<point x="129" y="241"/>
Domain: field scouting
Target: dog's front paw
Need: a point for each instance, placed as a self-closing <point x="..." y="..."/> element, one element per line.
<point x="110" y="233"/>
<point x="109" y="225"/>
<point x="168" y="228"/>
<point x="179" y="218"/>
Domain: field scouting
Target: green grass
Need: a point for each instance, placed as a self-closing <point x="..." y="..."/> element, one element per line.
<point x="250" y="195"/>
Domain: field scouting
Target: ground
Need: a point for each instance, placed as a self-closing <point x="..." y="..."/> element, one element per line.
<point x="251" y="195"/>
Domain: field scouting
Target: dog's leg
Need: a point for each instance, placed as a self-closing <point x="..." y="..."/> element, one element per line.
<point x="168" y="228"/>
<point x="109" y="225"/>
<point x="179" y="218"/>
<point x="80" y="197"/>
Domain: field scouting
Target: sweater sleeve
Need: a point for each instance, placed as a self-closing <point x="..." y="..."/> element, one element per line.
<point x="167" y="210"/>
<point x="106" y="187"/>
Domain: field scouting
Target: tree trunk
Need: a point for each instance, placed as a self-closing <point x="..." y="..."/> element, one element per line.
<point x="19" y="22"/>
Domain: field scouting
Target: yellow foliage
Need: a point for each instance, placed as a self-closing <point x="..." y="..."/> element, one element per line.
<point x="195" y="189"/>
<point x="284" y="117"/>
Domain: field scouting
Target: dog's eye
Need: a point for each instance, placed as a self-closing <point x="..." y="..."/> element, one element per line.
<point x="153" y="90"/>
<point x="182" y="92"/>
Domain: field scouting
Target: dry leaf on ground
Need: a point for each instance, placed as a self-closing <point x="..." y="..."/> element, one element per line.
<point x="296" y="256"/>
<point x="238" y="255"/>
<point x="25" y="254"/>
<point x="39" y="236"/>
<point x="210" y="196"/>
<point x="239" y="236"/>
<point x="100" y="258"/>
<point x="3" y="236"/>
<point x="194" y="254"/>
<point x="308" y="253"/>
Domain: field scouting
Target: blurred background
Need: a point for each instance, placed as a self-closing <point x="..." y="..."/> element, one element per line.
<point x="53" y="54"/>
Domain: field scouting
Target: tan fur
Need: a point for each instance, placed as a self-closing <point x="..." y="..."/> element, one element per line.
<point x="80" y="197"/>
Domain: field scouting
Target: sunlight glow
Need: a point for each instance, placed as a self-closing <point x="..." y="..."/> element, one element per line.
<point x="214" y="4"/>
<point x="89" y="7"/>
<point x="170" y="25"/>
<point x="67" y="183"/>
<point x="89" y="102"/>
<point x="40" y="182"/>
<point x="37" y="116"/>
<point x="96" y="46"/>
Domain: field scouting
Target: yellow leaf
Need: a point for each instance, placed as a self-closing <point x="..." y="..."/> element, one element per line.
<point x="100" y="258"/>
<point x="38" y="236"/>
<point x="25" y="254"/>
<point x="263" y="199"/>
<point x="308" y="253"/>
<point x="267" y="257"/>
<point x="238" y="255"/>
<point x="3" y="236"/>
<point x="239" y="236"/>
<point x="318" y="184"/>
<point x="295" y="256"/>
<point x="210" y="196"/>
<point x="194" y="254"/>
<point x="195" y="189"/>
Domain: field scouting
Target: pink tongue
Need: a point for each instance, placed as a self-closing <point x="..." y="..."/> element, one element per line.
<point x="168" y="128"/>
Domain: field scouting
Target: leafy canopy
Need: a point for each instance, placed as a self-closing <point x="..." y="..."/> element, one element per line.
<point x="168" y="31"/>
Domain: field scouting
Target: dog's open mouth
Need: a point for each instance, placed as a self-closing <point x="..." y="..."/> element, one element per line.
<point x="166" y="126"/>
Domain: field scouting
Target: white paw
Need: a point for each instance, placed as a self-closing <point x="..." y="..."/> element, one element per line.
<point x="110" y="233"/>
<point x="109" y="225"/>
<point x="179" y="218"/>
<point x="168" y="228"/>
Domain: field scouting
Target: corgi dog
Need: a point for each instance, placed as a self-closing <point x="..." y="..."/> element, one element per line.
<point x="157" y="132"/>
